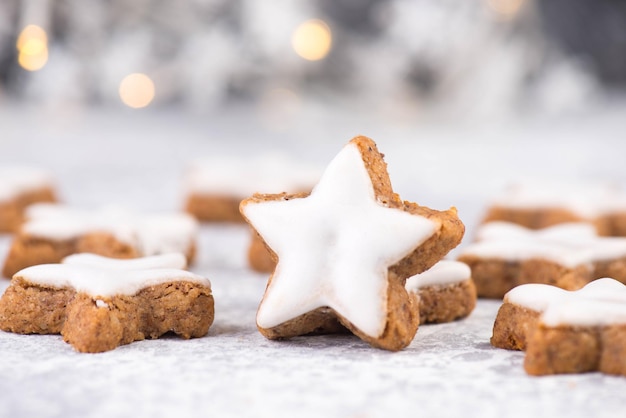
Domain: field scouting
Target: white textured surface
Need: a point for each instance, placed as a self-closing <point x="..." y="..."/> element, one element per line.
<point x="449" y="370"/>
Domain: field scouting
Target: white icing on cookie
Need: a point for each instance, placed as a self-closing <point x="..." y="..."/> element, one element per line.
<point x="570" y="244"/>
<point x="164" y="233"/>
<point x="240" y="178"/>
<point x="59" y="222"/>
<point x="334" y="247"/>
<point x="149" y="234"/>
<point x="584" y="199"/>
<point x="104" y="277"/>
<point x="18" y="180"/>
<point x="162" y="261"/>
<point x="601" y="302"/>
<point x="443" y="273"/>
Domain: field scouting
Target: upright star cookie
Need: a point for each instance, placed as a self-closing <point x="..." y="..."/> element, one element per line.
<point x="565" y="331"/>
<point x="98" y="303"/>
<point x="345" y="251"/>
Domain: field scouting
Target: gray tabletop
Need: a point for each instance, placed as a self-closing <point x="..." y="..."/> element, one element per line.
<point x="448" y="370"/>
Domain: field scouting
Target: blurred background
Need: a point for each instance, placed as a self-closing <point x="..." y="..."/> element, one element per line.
<point x="462" y="95"/>
<point x="472" y="57"/>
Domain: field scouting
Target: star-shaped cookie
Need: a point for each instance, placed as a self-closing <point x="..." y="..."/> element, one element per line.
<point x="446" y="292"/>
<point x="98" y="303"/>
<point x="344" y="252"/>
<point x="565" y="331"/>
<point x="540" y="204"/>
<point x="53" y="231"/>
<point x="567" y="255"/>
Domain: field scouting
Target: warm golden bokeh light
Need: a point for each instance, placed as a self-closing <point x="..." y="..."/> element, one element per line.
<point x="32" y="46"/>
<point x="312" y="40"/>
<point x="31" y="34"/>
<point x="33" y="62"/>
<point x="136" y="90"/>
<point x="505" y="9"/>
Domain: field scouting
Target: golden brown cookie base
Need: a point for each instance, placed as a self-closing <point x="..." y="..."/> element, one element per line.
<point x="402" y="323"/>
<point x="259" y="257"/>
<point x="495" y="277"/>
<point x="615" y="269"/>
<point x="27" y="250"/>
<point x="531" y="218"/>
<point x="446" y="303"/>
<point x="30" y="309"/>
<point x="403" y="309"/>
<point x="610" y="224"/>
<point x="513" y="326"/>
<point x="12" y="212"/>
<point x="181" y="307"/>
<point x="576" y="349"/>
<point x="214" y="208"/>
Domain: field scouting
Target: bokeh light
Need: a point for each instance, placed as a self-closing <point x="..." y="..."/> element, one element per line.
<point x="32" y="47"/>
<point x="137" y="90"/>
<point x="312" y="40"/>
<point x="505" y="9"/>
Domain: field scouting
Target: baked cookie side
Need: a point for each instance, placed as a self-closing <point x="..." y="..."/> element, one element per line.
<point x="27" y="308"/>
<point x="97" y="324"/>
<point x="12" y="211"/>
<point x="98" y="303"/>
<point x="398" y="312"/>
<point x="565" y="331"/>
<point x="27" y="250"/>
<point x="446" y="292"/>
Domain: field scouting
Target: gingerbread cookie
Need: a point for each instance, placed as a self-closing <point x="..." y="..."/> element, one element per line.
<point x="215" y="187"/>
<point x="541" y="205"/>
<point x="565" y="331"/>
<point x="52" y="232"/>
<point x="99" y="303"/>
<point x="566" y="255"/>
<point x="259" y="257"/>
<point x="446" y="292"/>
<point x="20" y="187"/>
<point x="345" y="251"/>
